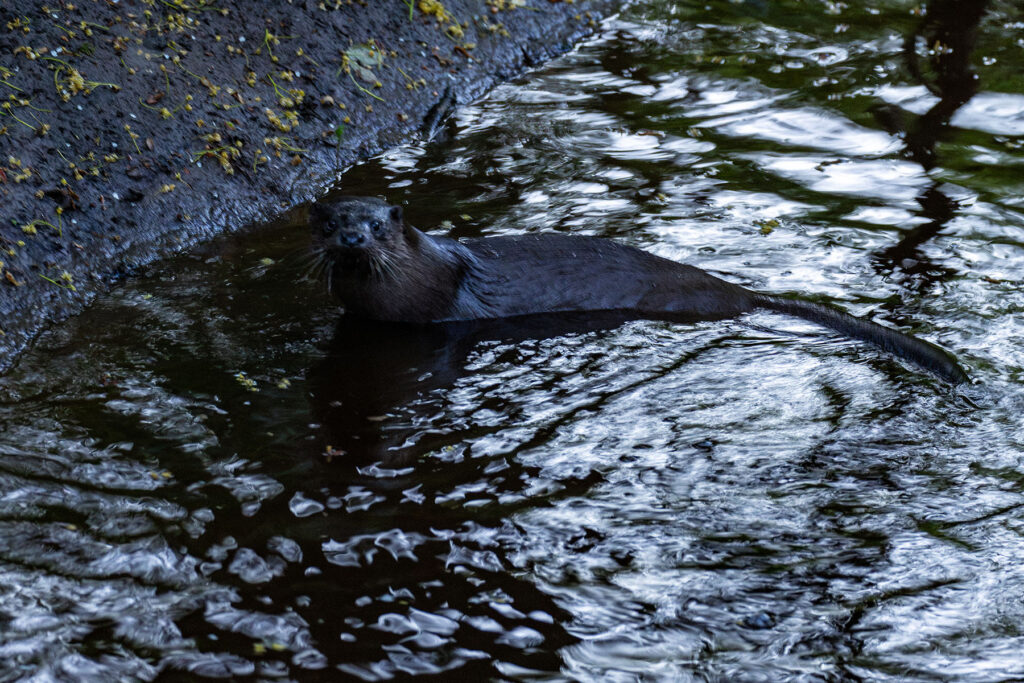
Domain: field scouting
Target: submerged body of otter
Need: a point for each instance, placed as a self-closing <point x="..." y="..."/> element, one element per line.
<point x="383" y="269"/>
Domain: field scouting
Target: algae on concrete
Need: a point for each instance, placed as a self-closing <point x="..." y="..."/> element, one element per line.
<point x="133" y="129"/>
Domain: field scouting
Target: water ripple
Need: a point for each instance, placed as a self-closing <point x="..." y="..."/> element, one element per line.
<point x="209" y="475"/>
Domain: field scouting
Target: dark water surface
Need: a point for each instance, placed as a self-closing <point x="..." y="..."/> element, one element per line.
<point x="207" y="475"/>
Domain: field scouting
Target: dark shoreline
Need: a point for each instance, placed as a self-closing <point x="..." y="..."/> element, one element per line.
<point x="133" y="131"/>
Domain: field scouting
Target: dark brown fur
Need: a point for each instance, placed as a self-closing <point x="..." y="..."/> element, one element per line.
<point x="384" y="269"/>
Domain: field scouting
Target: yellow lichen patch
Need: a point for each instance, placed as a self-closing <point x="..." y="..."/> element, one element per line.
<point x="288" y="98"/>
<point x="284" y="123"/>
<point x="259" y="158"/>
<point x="32" y="227"/>
<point x="283" y="144"/>
<point x="248" y="383"/>
<point x="22" y="175"/>
<point x="29" y="52"/>
<point x="505" y="5"/>
<point x="69" y="81"/>
<point x="65" y="281"/>
<point x="19" y="23"/>
<point x="452" y="27"/>
<point x="435" y="9"/>
<point x="225" y="155"/>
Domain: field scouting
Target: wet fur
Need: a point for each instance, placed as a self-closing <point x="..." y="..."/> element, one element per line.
<point x="397" y="273"/>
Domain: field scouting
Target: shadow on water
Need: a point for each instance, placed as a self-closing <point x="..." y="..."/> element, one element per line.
<point x="373" y="369"/>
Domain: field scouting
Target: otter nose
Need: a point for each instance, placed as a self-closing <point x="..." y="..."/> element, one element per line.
<point x="351" y="238"/>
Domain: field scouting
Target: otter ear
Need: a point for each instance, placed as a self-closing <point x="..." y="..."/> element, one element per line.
<point x="318" y="211"/>
<point x="396" y="213"/>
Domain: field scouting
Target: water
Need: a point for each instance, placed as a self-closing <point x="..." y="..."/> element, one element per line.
<point x="206" y="475"/>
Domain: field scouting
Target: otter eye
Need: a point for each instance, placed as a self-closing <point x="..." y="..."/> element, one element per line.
<point x="377" y="227"/>
<point x="330" y="226"/>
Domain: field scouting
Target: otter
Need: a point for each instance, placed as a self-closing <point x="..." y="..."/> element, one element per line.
<point x="384" y="269"/>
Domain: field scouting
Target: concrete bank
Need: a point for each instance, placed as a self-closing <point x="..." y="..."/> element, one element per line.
<point x="132" y="130"/>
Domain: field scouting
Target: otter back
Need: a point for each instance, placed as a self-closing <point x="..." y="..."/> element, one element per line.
<point x="384" y="269"/>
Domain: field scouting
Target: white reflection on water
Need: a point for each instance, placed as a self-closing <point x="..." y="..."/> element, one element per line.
<point x="810" y="128"/>
<point x="1000" y="113"/>
<point x="728" y="500"/>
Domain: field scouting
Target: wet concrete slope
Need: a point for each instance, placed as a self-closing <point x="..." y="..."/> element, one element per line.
<point x="132" y="130"/>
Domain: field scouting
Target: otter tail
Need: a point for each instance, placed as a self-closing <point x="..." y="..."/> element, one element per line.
<point x="921" y="353"/>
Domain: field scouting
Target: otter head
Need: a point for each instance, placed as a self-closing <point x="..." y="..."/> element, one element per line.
<point x="381" y="267"/>
<point x="351" y="225"/>
<point x="359" y="237"/>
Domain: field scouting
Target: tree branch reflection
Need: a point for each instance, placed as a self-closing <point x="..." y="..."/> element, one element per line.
<point x="949" y="32"/>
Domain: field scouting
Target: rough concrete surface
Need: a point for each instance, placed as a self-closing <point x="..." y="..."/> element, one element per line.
<point x="133" y="129"/>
